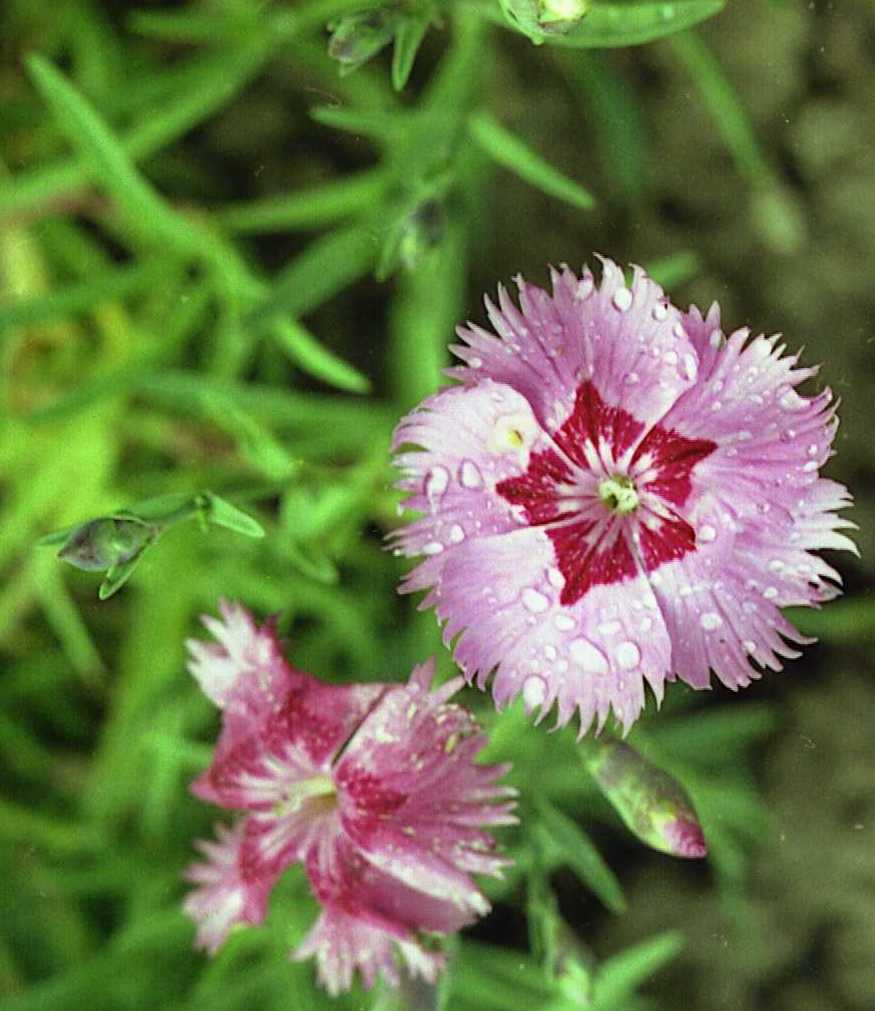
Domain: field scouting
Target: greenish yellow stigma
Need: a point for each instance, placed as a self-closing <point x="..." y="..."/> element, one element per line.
<point x="619" y="495"/>
<point x="320" y="788"/>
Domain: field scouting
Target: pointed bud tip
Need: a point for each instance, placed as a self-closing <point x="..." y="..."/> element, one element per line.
<point x="685" y="839"/>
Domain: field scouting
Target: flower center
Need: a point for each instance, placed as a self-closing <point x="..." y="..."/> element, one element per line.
<point x="619" y="494"/>
<point x="305" y="789"/>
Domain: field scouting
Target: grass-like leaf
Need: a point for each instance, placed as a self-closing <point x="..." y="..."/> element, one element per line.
<point x="511" y="153"/>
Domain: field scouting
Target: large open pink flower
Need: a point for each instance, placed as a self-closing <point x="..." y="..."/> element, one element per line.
<point x="372" y="787"/>
<point x="618" y="494"/>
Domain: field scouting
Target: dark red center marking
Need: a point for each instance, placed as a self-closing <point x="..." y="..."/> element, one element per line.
<point x="582" y="559"/>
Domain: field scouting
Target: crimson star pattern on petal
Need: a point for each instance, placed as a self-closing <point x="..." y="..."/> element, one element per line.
<point x="617" y="494"/>
<point x="372" y="788"/>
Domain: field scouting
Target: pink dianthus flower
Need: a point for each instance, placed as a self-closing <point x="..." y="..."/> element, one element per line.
<point x="372" y="787"/>
<point x="618" y="494"/>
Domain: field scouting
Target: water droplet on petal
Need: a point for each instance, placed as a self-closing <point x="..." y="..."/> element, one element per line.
<point x="791" y="401"/>
<point x="436" y="482"/>
<point x="550" y="651"/>
<point x="588" y="656"/>
<point x="632" y="378"/>
<point x="749" y="646"/>
<point x="534" y="691"/>
<point x="627" y="655"/>
<point x="555" y="578"/>
<point x="457" y="534"/>
<point x="710" y="620"/>
<point x="433" y="548"/>
<point x="563" y="622"/>
<point x="469" y="475"/>
<point x="691" y="366"/>
<point x="534" y="601"/>
<point x="770" y="592"/>
<point x="810" y="466"/>
<point x="622" y="299"/>
<point x="660" y="312"/>
<point x="609" y="627"/>
<point x="707" y="533"/>
<point x="670" y="357"/>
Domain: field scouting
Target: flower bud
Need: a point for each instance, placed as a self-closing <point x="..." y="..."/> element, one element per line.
<point x="654" y="806"/>
<point x="357" y="37"/>
<point x="106" y="542"/>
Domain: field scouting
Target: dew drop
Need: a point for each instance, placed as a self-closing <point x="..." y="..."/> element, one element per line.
<point x="588" y="656"/>
<point x="436" y="482"/>
<point x="775" y="565"/>
<point x="622" y="299"/>
<point x="534" y="691"/>
<point x="555" y="578"/>
<point x="791" y="401"/>
<point x="812" y="449"/>
<point x="770" y="592"/>
<point x="550" y="652"/>
<point x="707" y="533"/>
<point x="627" y="655"/>
<point x="710" y="620"/>
<point x="810" y="466"/>
<point x="670" y="357"/>
<point x="715" y="339"/>
<point x="660" y="311"/>
<point x="457" y="534"/>
<point x="748" y="606"/>
<point x="632" y="378"/>
<point x="646" y="624"/>
<point x="609" y="627"/>
<point x="749" y="646"/>
<point x="534" y="601"/>
<point x="563" y="622"/>
<point x="433" y="548"/>
<point x="691" y="367"/>
<point x="469" y="475"/>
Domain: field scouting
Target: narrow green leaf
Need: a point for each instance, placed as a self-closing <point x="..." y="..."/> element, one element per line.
<point x="620" y="976"/>
<point x="726" y="110"/>
<point x="408" y="38"/>
<point x="511" y="153"/>
<point x="576" y="849"/>
<point x="306" y="208"/>
<point x="675" y="269"/>
<point x="382" y="126"/>
<point x="303" y="348"/>
<point x="611" y="24"/>
<point x="86" y="130"/>
<point x="223" y="514"/>
<point x="117" y="576"/>
<point x="327" y="266"/>
<point x="111" y="284"/>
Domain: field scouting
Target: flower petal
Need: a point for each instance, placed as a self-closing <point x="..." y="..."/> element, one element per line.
<point x="628" y="340"/>
<point x="502" y="597"/>
<point x="226" y="896"/>
<point x="343" y="944"/>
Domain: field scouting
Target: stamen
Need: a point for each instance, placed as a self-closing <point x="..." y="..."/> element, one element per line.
<point x="619" y="494"/>
<point x="316" y="786"/>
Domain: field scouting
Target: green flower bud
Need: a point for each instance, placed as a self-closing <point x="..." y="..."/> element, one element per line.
<point x="358" y="37"/>
<point x="654" y="806"/>
<point x="106" y="542"/>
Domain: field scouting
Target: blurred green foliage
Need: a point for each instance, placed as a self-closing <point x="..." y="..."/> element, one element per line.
<point x="226" y="265"/>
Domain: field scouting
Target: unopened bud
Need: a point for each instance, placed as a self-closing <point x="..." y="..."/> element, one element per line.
<point x="106" y="542"/>
<point x="358" y="37"/>
<point x="654" y="806"/>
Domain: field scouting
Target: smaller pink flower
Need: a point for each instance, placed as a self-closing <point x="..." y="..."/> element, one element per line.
<point x="373" y="788"/>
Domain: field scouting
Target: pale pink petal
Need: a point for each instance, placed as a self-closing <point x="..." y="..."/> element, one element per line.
<point x="244" y="664"/>
<point x="470" y="441"/>
<point x="226" y="897"/>
<point x="628" y="339"/>
<point x="587" y="658"/>
<point x="343" y="944"/>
